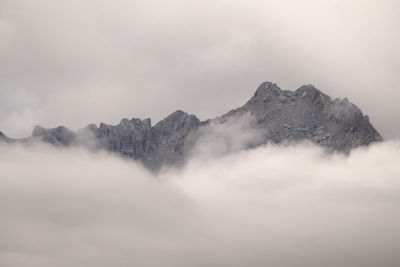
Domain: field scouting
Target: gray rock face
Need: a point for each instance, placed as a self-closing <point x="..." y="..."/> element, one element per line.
<point x="307" y="114"/>
<point x="60" y="136"/>
<point x="280" y="115"/>
<point x="165" y="143"/>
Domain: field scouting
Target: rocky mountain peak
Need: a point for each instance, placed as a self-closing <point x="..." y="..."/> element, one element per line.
<point x="313" y="96"/>
<point x="38" y="131"/>
<point x="56" y="136"/>
<point x="176" y="121"/>
<point x="307" y="114"/>
<point x="278" y="115"/>
<point x="266" y="89"/>
<point x="126" y="124"/>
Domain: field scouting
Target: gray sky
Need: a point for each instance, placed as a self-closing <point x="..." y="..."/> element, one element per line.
<point x="76" y="62"/>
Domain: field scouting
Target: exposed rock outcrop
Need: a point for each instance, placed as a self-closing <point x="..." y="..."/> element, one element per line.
<point x="307" y="114"/>
<point x="165" y="143"/>
<point x="60" y="136"/>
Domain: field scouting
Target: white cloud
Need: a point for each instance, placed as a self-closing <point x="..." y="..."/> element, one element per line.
<point x="271" y="206"/>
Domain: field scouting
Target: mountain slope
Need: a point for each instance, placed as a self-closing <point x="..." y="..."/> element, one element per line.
<point x="278" y="115"/>
<point x="307" y="113"/>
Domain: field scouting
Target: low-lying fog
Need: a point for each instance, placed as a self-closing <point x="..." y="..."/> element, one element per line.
<point x="271" y="206"/>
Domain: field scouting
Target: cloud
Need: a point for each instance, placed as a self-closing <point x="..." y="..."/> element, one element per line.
<point x="106" y="60"/>
<point x="270" y="206"/>
<point x="234" y="134"/>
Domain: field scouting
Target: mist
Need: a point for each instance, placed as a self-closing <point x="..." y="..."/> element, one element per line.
<point x="292" y="205"/>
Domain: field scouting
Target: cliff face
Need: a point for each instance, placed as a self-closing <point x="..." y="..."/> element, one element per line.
<point x="279" y="115"/>
<point x="165" y="143"/>
<point x="307" y="114"/>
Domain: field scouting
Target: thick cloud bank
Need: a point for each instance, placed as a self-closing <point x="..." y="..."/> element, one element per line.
<point x="271" y="206"/>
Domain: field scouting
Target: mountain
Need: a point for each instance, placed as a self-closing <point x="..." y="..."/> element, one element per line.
<point x="277" y="115"/>
<point x="4" y="138"/>
<point x="308" y="114"/>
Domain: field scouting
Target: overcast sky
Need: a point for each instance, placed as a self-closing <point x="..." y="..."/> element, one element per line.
<point x="80" y="61"/>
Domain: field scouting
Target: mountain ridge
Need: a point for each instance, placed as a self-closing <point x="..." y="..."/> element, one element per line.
<point x="279" y="115"/>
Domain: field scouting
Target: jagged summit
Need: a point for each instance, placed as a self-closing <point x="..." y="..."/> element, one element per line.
<point x="57" y="136"/>
<point x="267" y="88"/>
<point x="308" y="114"/>
<point x="280" y="115"/>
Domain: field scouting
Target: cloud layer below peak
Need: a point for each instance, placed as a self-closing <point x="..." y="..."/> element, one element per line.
<point x="271" y="206"/>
